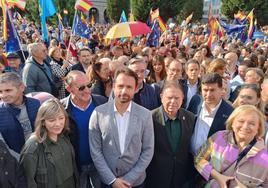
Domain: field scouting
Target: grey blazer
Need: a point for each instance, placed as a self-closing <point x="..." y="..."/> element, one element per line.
<point x="105" y="148"/>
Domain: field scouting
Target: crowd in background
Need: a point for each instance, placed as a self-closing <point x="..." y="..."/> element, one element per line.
<point x="208" y="108"/>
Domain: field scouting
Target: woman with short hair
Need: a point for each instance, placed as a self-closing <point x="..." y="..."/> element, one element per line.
<point x="236" y="157"/>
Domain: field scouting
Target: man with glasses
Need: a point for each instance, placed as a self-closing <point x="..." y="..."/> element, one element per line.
<point x="79" y="106"/>
<point x="145" y="94"/>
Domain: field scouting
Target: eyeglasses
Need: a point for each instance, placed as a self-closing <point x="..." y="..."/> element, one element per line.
<point x="82" y="88"/>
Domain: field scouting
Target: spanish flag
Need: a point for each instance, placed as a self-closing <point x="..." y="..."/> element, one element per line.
<point x="250" y="18"/>
<point x="189" y="18"/>
<point x="17" y="3"/>
<point x="162" y="24"/>
<point x="83" y="5"/>
<point x="3" y="5"/>
<point x="154" y="14"/>
<point x="240" y="15"/>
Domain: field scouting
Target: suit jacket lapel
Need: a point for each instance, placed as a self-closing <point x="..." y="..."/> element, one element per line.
<point x="161" y="123"/>
<point x="183" y="123"/>
<point x="219" y="119"/>
<point x="113" y="126"/>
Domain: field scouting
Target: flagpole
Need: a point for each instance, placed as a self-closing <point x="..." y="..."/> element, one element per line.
<point x="16" y="34"/>
<point x="75" y="14"/>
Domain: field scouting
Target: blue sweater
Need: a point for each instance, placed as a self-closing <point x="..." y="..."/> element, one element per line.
<point x="82" y="120"/>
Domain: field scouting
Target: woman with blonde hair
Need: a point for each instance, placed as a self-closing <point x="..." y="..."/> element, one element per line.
<point x="218" y="65"/>
<point x="236" y="157"/>
<point x="48" y="157"/>
<point x="60" y="68"/>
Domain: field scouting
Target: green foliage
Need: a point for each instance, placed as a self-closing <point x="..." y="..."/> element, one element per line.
<point x="230" y="7"/>
<point x="141" y="9"/>
<point x="168" y="9"/>
<point x="193" y="6"/>
<point x="32" y="11"/>
<point x="115" y="8"/>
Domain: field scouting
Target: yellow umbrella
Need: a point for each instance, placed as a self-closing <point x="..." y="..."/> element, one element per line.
<point x="127" y="29"/>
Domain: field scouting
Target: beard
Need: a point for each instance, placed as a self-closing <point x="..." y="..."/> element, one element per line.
<point x="123" y="98"/>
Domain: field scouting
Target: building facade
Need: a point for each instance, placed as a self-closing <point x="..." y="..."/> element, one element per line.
<point x="214" y="5"/>
<point x="99" y="11"/>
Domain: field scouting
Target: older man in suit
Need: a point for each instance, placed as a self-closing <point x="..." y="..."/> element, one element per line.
<point x="173" y="127"/>
<point x="121" y="136"/>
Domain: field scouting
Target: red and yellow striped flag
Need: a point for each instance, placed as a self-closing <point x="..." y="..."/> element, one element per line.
<point x="3" y="5"/>
<point x="240" y="15"/>
<point x="17" y="3"/>
<point x="162" y="24"/>
<point x="154" y="14"/>
<point x="83" y="5"/>
<point x="189" y="18"/>
<point x="250" y="18"/>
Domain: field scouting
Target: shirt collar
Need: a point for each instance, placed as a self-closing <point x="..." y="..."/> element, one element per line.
<point x="166" y="116"/>
<point x="188" y="83"/>
<point x="128" y="108"/>
<point x="213" y="110"/>
<point x="80" y="107"/>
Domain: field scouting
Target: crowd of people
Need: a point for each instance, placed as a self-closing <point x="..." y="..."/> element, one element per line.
<point x="92" y="113"/>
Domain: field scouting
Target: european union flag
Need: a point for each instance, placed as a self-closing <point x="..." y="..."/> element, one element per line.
<point x="232" y="28"/>
<point x="153" y="37"/>
<point x="80" y="28"/>
<point x="47" y="9"/>
<point x="12" y="43"/>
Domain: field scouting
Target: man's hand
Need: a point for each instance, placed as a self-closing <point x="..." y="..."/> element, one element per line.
<point x="120" y="183"/>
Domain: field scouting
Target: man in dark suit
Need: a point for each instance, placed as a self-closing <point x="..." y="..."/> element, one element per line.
<point x="84" y="58"/>
<point x="211" y="110"/>
<point x="173" y="128"/>
<point x="191" y="85"/>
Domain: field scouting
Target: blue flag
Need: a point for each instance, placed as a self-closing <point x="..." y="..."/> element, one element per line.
<point x="47" y="9"/>
<point x="12" y="43"/>
<point x="232" y="28"/>
<point x="123" y="17"/>
<point x="80" y="28"/>
<point x="153" y="37"/>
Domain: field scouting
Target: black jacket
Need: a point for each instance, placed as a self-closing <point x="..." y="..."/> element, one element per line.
<point x="78" y="67"/>
<point x="147" y="97"/>
<point x="168" y="169"/>
<point x="11" y="174"/>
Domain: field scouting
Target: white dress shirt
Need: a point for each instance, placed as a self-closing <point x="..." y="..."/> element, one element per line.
<point x="122" y="122"/>
<point x="202" y="127"/>
<point x="192" y="90"/>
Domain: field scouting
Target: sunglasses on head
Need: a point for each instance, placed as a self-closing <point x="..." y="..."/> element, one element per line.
<point x="82" y="88"/>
